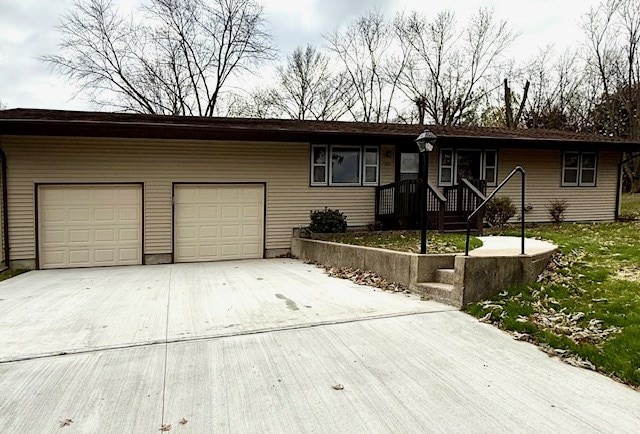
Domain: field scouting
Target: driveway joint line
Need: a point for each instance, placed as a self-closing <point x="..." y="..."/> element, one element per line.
<point x="222" y="336"/>
<point x="166" y="348"/>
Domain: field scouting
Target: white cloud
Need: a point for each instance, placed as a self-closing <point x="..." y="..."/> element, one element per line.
<point x="27" y="31"/>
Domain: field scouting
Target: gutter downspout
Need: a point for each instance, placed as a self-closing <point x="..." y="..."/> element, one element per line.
<point x="5" y="208"/>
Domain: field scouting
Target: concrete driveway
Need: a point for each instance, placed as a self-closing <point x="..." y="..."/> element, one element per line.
<point x="255" y="346"/>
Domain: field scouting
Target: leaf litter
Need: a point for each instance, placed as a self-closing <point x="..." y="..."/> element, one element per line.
<point x="547" y="315"/>
<point x="363" y="277"/>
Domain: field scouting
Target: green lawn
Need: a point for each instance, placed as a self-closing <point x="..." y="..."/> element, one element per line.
<point x="586" y="306"/>
<point x="406" y="241"/>
<point x="630" y="206"/>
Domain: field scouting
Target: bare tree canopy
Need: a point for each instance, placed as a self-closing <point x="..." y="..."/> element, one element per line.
<point x="366" y="52"/>
<point x="308" y="88"/>
<point x="451" y="70"/>
<point x="176" y="61"/>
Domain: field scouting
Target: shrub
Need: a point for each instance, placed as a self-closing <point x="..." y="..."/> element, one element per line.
<point x="556" y="210"/>
<point x="499" y="210"/>
<point x="328" y="221"/>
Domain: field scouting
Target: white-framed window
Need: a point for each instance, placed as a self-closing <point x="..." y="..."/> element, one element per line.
<point x="344" y="165"/>
<point x="579" y="169"/>
<point x="445" y="176"/>
<point x="491" y="167"/>
<point x="319" y="166"/>
<point x="371" y="166"/>
<point x="468" y="163"/>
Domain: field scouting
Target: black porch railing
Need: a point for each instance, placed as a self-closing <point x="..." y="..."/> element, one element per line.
<point x="398" y="207"/>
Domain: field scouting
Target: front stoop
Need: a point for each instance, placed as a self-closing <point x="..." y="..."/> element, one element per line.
<point x="441" y="289"/>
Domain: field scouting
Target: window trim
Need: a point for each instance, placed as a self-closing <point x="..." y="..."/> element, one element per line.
<point x="494" y="182"/>
<point x="580" y="169"/>
<point x="441" y="166"/>
<point x="328" y="148"/>
<point x="314" y="165"/>
<point x="376" y="151"/>
<point x="454" y="165"/>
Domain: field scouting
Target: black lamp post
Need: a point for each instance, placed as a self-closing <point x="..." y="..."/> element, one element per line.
<point x="425" y="143"/>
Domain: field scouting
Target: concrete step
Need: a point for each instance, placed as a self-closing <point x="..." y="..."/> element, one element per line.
<point x="442" y="292"/>
<point x="445" y="275"/>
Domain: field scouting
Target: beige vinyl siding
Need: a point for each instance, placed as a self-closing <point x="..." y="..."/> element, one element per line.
<point x="543" y="183"/>
<point x="284" y="167"/>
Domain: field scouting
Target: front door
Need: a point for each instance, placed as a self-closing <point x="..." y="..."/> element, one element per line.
<point x="469" y="164"/>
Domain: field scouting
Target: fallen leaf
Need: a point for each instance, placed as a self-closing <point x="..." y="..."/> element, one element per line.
<point x="338" y="387"/>
<point x="183" y="421"/>
<point x="486" y="318"/>
<point x="65" y="422"/>
<point x="165" y="427"/>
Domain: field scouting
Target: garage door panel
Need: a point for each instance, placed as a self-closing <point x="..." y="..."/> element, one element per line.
<point x="79" y="215"/>
<point x="104" y="256"/>
<point x="53" y="214"/>
<point x="104" y="215"/>
<point x="79" y="236"/>
<point x="127" y="215"/>
<point x="105" y="235"/>
<point x="209" y="232"/>
<point x="53" y="237"/>
<point x="79" y="258"/>
<point x="208" y="212"/>
<point x="230" y="231"/>
<point x="228" y="221"/>
<point x="128" y="255"/>
<point x="230" y="212"/>
<point x="90" y="225"/>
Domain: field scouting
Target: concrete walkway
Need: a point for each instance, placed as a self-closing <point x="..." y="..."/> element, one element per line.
<point x="405" y="365"/>
<point x="511" y="246"/>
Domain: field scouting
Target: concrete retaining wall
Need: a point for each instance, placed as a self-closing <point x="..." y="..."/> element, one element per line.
<point x="404" y="268"/>
<point x="475" y="277"/>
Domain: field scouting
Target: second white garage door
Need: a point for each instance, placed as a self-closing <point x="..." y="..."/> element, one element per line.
<point x="215" y="222"/>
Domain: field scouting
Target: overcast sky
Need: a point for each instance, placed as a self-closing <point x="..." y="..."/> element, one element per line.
<point x="27" y="30"/>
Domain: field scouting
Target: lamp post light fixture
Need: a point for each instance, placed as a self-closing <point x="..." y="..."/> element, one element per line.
<point x="425" y="143"/>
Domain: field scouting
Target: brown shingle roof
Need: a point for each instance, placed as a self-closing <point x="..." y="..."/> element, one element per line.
<point x="104" y="124"/>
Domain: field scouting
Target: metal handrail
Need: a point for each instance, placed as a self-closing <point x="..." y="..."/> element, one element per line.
<point x="493" y="193"/>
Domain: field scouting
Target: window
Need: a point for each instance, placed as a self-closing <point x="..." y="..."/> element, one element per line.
<point x="490" y="167"/>
<point x="446" y="167"/>
<point x="370" y="166"/>
<point x="319" y="165"/>
<point x="472" y="164"/>
<point x="344" y="165"/>
<point x="579" y="169"/>
<point x="409" y="165"/>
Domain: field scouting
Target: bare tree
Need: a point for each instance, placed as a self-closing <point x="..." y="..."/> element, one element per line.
<point x="308" y="88"/>
<point x="365" y="50"/>
<point x="175" y="61"/>
<point x="3" y="106"/>
<point x="612" y="32"/>
<point x="558" y="88"/>
<point x="450" y="71"/>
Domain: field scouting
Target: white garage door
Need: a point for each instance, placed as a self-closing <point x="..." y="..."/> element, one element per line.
<point x="89" y="225"/>
<point x="216" y="222"/>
